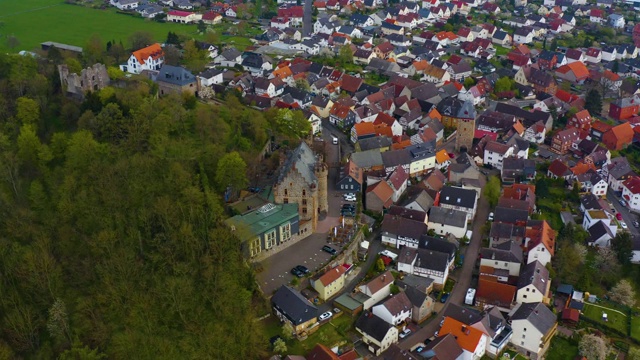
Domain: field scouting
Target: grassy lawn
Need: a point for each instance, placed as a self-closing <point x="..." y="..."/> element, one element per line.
<point x="512" y="355"/>
<point x="561" y="349"/>
<point x="616" y="320"/>
<point x="501" y="50"/>
<point x="635" y="328"/>
<point x="329" y="334"/>
<point x="35" y="21"/>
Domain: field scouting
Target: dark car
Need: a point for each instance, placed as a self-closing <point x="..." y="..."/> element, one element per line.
<point x="329" y="249"/>
<point x="444" y="298"/>
<point x="348" y="206"/>
<point x="303" y="269"/>
<point x="636" y="224"/>
<point x="297" y="272"/>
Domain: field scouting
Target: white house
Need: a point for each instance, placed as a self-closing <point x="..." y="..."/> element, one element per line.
<point x="457" y="198"/>
<point x="426" y="263"/>
<point x="448" y="222"/>
<point x="591" y="217"/>
<point x="125" y="4"/>
<point x="394" y="310"/>
<point x="506" y="256"/>
<point x="593" y="55"/>
<point x="211" y="77"/>
<point x="377" y="334"/>
<point x="471" y="340"/>
<point x="149" y="58"/>
<point x="523" y="35"/>
<point x="228" y="58"/>
<point x="533" y="325"/>
<point x="377" y="289"/>
<point x="631" y="192"/>
<point x="539" y="241"/>
<point x="616" y="21"/>
<point x="495" y="153"/>
<point x="399" y="231"/>
<point x="533" y="284"/>
<point x="609" y="53"/>
<point x="183" y="17"/>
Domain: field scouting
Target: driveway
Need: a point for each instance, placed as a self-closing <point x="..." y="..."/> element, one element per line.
<point x="462" y="277"/>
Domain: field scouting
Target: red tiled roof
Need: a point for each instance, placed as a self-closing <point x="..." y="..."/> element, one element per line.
<point x="495" y="293"/>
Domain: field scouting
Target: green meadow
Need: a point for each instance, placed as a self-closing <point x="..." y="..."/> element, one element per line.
<point x="35" y="21"/>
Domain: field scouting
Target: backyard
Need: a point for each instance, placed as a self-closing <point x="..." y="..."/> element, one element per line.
<point x="617" y="319"/>
<point x="35" y="21"/>
<point x="329" y="334"/>
<point x="561" y="349"/>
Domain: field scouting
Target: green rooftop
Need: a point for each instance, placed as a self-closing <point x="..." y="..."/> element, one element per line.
<point x="263" y="219"/>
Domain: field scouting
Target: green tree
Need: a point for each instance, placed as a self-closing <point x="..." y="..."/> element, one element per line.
<point x="279" y="346"/>
<point x="554" y="44"/>
<point x="201" y="26"/>
<point x="27" y="111"/>
<point x="491" y="191"/>
<point x="58" y="322"/>
<point x="231" y="172"/>
<point x="287" y="331"/>
<point x="380" y="265"/>
<point x="634" y="353"/>
<point x="194" y="58"/>
<point x="623" y="247"/>
<point x="504" y="84"/>
<point x="345" y="55"/>
<point x="140" y="39"/>
<point x="593" y="347"/>
<point x="292" y="123"/>
<point x="469" y="82"/>
<point x="593" y="102"/>
<point x="80" y="351"/>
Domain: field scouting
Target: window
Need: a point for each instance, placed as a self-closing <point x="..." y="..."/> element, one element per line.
<point x="304" y="192"/>
<point x="254" y="247"/>
<point x="525" y="329"/>
<point x="285" y="200"/>
<point x="286" y="192"/>
<point x="285" y="232"/>
<point x="525" y="296"/>
<point x="523" y="336"/>
<point x="270" y="240"/>
<point x="496" y="263"/>
<point x="304" y="211"/>
<point x="341" y="187"/>
<point x="304" y="201"/>
<point x="521" y="343"/>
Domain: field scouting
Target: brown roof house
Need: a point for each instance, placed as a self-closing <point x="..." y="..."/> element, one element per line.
<point x="377" y="289"/>
<point x="618" y="137"/>
<point x="564" y="139"/>
<point x="492" y="292"/>
<point x="329" y="283"/>
<point x="395" y="310"/>
<point x="379" y="196"/>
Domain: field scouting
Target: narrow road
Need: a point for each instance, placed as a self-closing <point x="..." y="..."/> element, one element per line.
<point x="627" y="217"/>
<point x="463" y="278"/>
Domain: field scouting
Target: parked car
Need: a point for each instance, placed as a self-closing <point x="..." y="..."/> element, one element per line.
<point x="622" y="202"/>
<point x="296" y="272"/>
<point x="419" y="349"/>
<point x="405" y="333"/>
<point x="624" y="226"/>
<point x="619" y="216"/>
<point x="348" y="195"/>
<point x="303" y="269"/>
<point x="350" y="198"/>
<point x="329" y="249"/>
<point x="490" y="216"/>
<point x="325" y="316"/>
<point x="636" y="224"/>
<point x="444" y="298"/>
<point x="349" y="206"/>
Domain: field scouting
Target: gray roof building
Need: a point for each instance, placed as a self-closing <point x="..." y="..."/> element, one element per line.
<point x="537" y="314"/>
<point x="449" y="217"/>
<point x="176" y="75"/>
<point x="291" y="304"/>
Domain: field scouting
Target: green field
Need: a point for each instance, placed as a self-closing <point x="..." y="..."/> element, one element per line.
<point x="635" y="328"/>
<point x="616" y="320"/>
<point x="35" y="21"/>
<point x="329" y="334"/>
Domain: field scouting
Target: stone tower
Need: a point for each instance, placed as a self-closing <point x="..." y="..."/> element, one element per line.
<point x="466" y="126"/>
<point x="322" y="173"/>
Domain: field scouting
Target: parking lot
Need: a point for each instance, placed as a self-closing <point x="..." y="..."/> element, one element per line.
<point x="276" y="270"/>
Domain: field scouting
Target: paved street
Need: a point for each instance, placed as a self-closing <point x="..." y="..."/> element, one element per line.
<point x="627" y="216"/>
<point x="463" y="277"/>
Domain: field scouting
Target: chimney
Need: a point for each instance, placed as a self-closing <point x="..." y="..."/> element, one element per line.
<point x="384" y="277"/>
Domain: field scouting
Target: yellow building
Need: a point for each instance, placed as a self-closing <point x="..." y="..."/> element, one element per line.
<point x="330" y="282"/>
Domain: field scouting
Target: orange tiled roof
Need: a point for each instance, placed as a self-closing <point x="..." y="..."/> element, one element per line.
<point x="152" y="51"/>
<point x="467" y="337"/>
<point x="442" y="156"/>
<point x="332" y="275"/>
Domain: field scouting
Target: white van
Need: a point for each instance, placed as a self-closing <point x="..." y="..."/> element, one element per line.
<point x="471" y="295"/>
<point x="335" y="140"/>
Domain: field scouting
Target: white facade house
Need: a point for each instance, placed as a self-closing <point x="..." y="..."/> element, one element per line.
<point x="377" y="289"/>
<point x="149" y="58"/>
<point x="125" y="4"/>
<point x="183" y="17"/>
<point x="533" y="284"/>
<point x="457" y="198"/>
<point x="495" y="153"/>
<point x="631" y="192"/>
<point x="394" y="310"/>
<point x="533" y="325"/>
<point x="426" y="263"/>
<point x="448" y="222"/>
<point x="376" y="333"/>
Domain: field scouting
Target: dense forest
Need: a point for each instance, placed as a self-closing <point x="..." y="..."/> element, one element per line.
<point x="111" y="235"/>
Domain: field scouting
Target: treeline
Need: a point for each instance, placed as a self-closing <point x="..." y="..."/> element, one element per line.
<point x="111" y="243"/>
